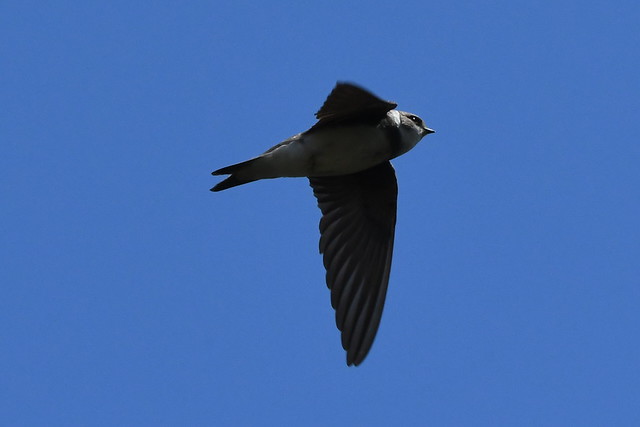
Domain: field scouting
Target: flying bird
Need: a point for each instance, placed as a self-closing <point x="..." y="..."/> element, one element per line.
<point x="346" y="157"/>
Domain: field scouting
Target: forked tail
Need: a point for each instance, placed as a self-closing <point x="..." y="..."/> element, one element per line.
<point x="236" y="178"/>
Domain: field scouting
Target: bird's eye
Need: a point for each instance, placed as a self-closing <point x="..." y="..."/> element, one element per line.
<point x="415" y="119"/>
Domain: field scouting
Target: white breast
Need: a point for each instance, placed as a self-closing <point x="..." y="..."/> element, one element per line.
<point x="334" y="151"/>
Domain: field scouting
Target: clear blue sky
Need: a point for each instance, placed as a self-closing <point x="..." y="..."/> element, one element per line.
<point x="131" y="295"/>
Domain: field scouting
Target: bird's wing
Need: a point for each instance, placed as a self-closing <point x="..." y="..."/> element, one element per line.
<point x="357" y="230"/>
<point x="349" y="104"/>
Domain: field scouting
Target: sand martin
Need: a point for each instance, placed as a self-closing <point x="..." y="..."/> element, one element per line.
<point x="346" y="157"/>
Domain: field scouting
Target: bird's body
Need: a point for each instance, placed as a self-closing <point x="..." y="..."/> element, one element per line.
<point x="335" y="151"/>
<point x="346" y="157"/>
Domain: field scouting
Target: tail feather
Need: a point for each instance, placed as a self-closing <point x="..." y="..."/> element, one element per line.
<point x="234" y="180"/>
<point x="233" y="168"/>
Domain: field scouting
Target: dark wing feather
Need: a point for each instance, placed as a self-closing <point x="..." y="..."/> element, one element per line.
<point x="350" y="104"/>
<point x="357" y="230"/>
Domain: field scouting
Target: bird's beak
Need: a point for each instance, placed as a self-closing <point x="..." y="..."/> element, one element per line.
<point x="427" y="131"/>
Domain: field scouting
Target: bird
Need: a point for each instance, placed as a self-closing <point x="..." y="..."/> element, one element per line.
<point x="346" y="157"/>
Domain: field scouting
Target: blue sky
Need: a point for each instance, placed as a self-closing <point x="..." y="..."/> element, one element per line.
<point x="131" y="295"/>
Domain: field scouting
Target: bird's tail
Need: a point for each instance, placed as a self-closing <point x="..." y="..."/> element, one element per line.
<point x="236" y="178"/>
